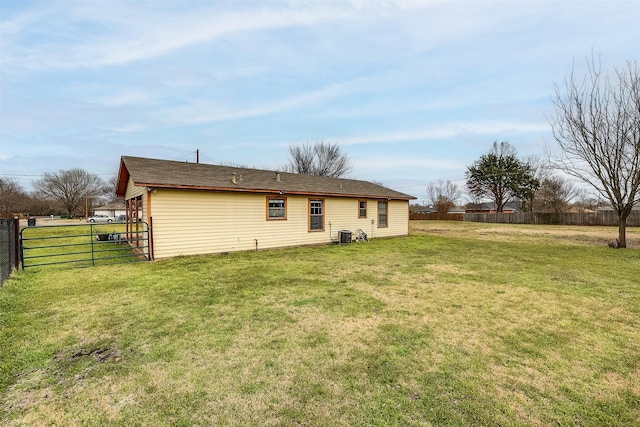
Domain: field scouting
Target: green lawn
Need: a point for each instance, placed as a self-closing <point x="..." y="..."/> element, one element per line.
<point x="457" y="324"/>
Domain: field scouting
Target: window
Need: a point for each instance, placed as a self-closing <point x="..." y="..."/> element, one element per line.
<point x="362" y="208"/>
<point x="383" y="208"/>
<point x="276" y="208"/>
<point x="316" y="215"/>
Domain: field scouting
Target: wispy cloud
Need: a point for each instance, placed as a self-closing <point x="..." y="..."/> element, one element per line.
<point x="395" y="162"/>
<point x="445" y="131"/>
<point x="410" y="88"/>
<point x="130" y="97"/>
<point x="126" y="32"/>
<point x="129" y="32"/>
<point x="205" y="112"/>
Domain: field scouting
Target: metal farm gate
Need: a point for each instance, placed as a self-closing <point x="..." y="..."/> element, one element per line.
<point x="84" y="245"/>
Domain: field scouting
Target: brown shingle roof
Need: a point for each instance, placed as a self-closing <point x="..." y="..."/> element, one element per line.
<point x="112" y="206"/>
<point x="171" y="174"/>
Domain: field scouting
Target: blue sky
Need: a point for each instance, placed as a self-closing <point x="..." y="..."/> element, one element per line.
<point x="413" y="91"/>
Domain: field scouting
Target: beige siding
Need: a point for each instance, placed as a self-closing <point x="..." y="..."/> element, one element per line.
<point x="197" y="222"/>
<point x="134" y="191"/>
<point x="397" y="219"/>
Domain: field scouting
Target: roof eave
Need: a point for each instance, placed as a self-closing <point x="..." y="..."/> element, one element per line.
<point x="123" y="178"/>
<point x="269" y="191"/>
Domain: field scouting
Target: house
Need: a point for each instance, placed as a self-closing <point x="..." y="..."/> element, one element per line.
<point x="490" y="207"/>
<point x="195" y="208"/>
<point x="454" y="210"/>
<point x="112" y="209"/>
<point x="609" y="208"/>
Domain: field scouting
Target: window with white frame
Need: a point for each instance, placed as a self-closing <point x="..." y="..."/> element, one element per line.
<point x="276" y="208"/>
<point x="316" y="214"/>
<point x="383" y="214"/>
<point x="362" y="208"/>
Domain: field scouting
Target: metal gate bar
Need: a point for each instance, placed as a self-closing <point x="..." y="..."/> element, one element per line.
<point x="102" y="245"/>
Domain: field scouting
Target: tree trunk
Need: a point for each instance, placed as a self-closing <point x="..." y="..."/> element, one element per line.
<point x="622" y="231"/>
<point x="499" y="201"/>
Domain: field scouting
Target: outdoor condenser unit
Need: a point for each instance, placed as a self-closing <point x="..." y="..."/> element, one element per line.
<point x="345" y="236"/>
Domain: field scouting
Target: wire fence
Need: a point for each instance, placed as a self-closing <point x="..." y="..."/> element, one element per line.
<point x="8" y="247"/>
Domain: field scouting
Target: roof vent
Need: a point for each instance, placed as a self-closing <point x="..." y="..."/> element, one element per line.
<point x="233" y="177"/>
<point x="278" y="176"/>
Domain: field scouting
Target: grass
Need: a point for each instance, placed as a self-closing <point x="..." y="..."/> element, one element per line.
<point x="457" y="324"/>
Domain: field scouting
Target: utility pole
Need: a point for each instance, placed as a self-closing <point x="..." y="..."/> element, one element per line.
<point x="197" y="155"/>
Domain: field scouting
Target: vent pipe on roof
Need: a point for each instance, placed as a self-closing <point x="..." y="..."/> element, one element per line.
<point x="233" y="177"/>
<point x="278" y="176"/>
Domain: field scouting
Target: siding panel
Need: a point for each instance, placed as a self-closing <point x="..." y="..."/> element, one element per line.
<point x="197" y="222"/>
<point x="133" y="190"/>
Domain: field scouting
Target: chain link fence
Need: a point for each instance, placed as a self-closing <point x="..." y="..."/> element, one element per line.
<point x="9" y="230"/>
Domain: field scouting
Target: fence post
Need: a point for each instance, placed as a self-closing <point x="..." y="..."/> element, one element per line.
<point x="150" y="238"/>
<point x="93" y="258"/>
<point x="16" y="243"/>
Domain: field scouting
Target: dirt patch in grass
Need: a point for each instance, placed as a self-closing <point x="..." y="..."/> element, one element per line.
<point x="99" y="354"/>
<point x="27" y="391"/>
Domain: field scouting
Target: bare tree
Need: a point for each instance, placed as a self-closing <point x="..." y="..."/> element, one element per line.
<point x="540" y="170"/>
<point x="443" y="196"/>
<point x="597" y="128"/>
<point x="70" y="187"/>
<point x="473" y="202"/>
<point x="108" y="192"/>
<point x="555" y="194"/>
<point x="13" y="198"/>
<point x="321" y="159"/>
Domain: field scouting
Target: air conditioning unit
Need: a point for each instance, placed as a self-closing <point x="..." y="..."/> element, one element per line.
<point x="344" y="236"/>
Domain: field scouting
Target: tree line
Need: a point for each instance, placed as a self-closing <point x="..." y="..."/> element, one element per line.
<point x="504" y="180"/>
<point x="73" y="192"/>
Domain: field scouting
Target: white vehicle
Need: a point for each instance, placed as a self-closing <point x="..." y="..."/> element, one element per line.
<point x="101" y="218"/>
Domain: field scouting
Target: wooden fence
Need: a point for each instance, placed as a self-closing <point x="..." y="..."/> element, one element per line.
<point x="437" y="216"/>
<point x="593" y="218"/>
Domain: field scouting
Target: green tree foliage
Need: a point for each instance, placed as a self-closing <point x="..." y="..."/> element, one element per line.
<point x="501" y="177"/>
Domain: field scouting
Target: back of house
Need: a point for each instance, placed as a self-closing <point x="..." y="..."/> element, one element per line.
<point x="196" y="208"/>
